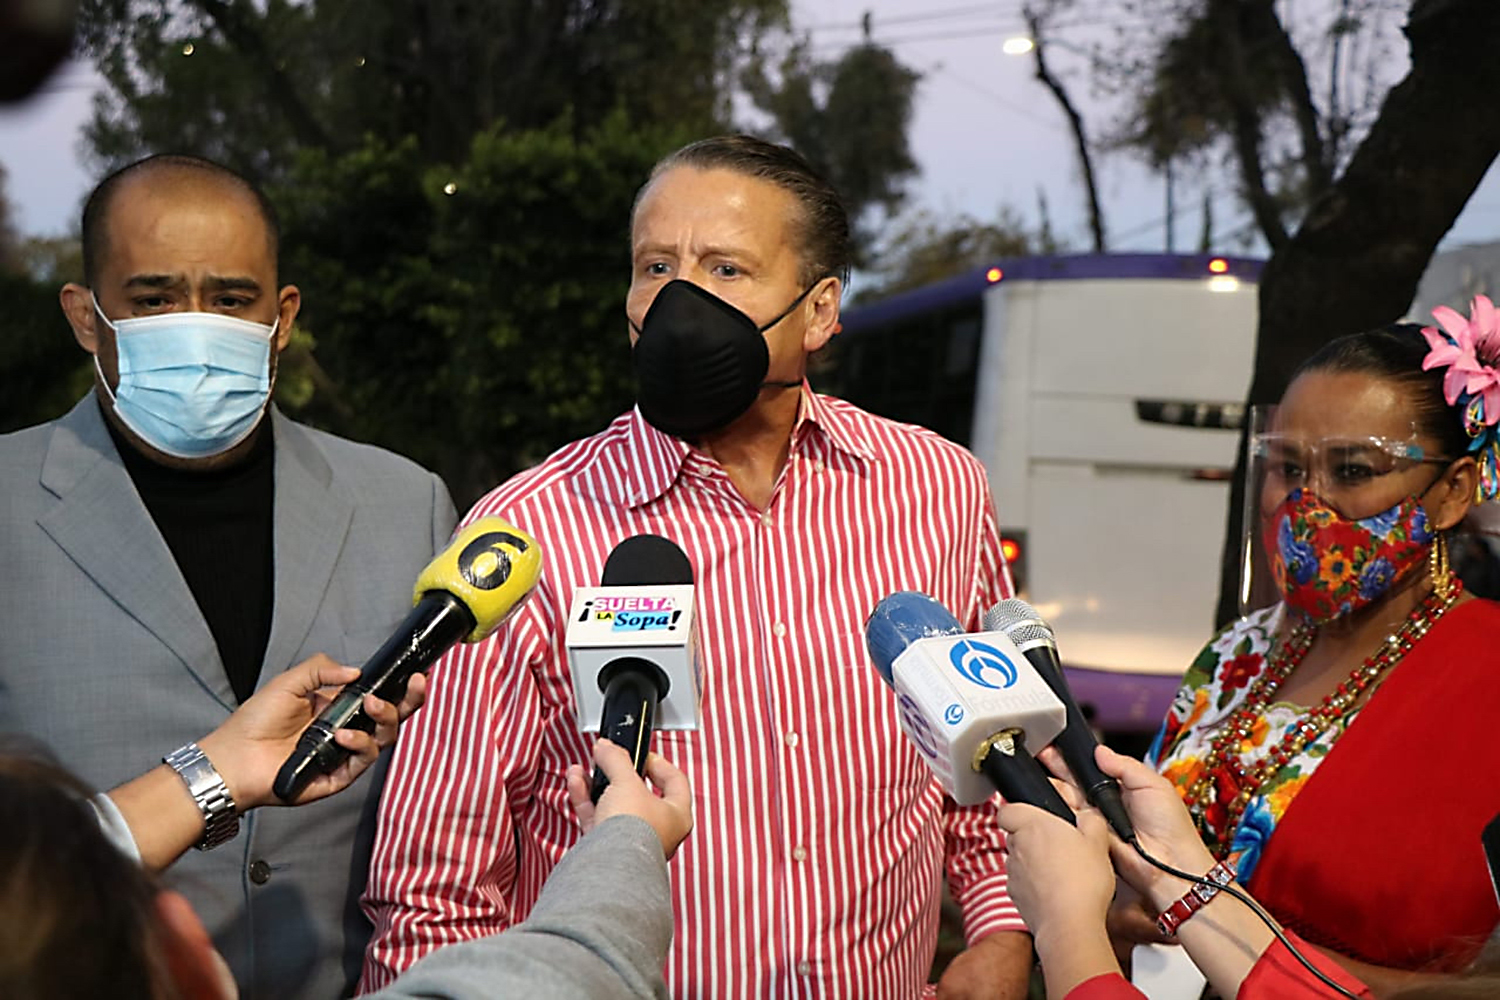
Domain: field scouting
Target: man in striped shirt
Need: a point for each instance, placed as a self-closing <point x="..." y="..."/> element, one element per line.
<point x="815" y="868"/>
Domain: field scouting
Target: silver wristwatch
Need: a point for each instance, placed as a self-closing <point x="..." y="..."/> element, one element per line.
<point x="220" y="820"/>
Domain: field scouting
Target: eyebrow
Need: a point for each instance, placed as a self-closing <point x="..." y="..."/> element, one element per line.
<point x="736" y="252"/>
<point x="217" y="283"/>
<point x="713" y="250"/>
<point x="232" y="283"/>
<point x="155" y="281"/>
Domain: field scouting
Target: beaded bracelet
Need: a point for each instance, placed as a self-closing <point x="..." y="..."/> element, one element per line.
<point x="1193" y="900"/>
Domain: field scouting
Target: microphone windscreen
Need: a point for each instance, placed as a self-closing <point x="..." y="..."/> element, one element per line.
<point x="1021" y="622"/>
<point x="900" y="620"/>
<point x="491" y="566"/>
<point x="647" y="561"/>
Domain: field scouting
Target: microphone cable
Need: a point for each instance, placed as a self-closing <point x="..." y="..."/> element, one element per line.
<point x="1255" y="908"/>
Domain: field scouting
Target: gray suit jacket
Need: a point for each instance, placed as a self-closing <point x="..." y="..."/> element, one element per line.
<point x="106" y="659"/>
<point x="599" y="930"/>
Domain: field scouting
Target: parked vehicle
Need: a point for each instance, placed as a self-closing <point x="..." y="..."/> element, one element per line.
<point x="1103" y="394"/>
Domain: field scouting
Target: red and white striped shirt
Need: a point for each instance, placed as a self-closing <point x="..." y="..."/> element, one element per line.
<point x="814" y="866"/>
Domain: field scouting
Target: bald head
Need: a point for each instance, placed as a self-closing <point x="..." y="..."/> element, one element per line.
<point x="167" y="176"/>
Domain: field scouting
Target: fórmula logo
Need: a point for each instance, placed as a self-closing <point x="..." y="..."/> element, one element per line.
<point x="916" y="726"/>
<point x="633" y="614"/>
<point x="983" y="664"/>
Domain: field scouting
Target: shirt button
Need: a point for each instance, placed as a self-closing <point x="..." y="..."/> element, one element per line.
<point x="799" y="853"/>
<point x="765" y="520"/>
<point x="779" y="629"/>
<point x="818" y="465"/>
<point x="792" y="739"/>
<point x="804" y="968"/>
<point x="260" y="872"/>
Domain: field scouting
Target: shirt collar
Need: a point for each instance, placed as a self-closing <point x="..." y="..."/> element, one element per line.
<point x="820" y="418"/>
<point x="656" y="459"/>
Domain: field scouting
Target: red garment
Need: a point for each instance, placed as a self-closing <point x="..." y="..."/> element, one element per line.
<point x="1379" y="857"/>
<point x="821" y="840"/>
<point x="1276" y="975"/>
<point x="1111" y="986"/>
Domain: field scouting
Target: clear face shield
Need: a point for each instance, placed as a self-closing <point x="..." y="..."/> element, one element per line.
<point x="1328" y="513"/>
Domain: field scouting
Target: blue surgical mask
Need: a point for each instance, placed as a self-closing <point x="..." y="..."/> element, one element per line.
<point x="192" y="384"/>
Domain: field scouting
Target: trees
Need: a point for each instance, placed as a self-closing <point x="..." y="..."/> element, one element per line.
<point x="1351" y="180"/>
<point x="37" y="350"/>
<point x="474" y="330"/>
<point x="10" y="242"/>
<point x="249" y="84"/>
<point x="1355" y="260"/>
<point x="455" y="183"/>
<point x="1284" y="95"/>
<point x="849" y="117"/>
<point x="38" y="353"/>
<point x="921" y="248"/>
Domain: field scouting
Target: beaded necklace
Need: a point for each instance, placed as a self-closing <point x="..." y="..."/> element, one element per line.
<point x="1223" y="766"/>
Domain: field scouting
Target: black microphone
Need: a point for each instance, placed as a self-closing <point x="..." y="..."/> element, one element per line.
<point x="478" y="581"/>
<point x="634" y="685"/>
<point x="1034" y="638"/>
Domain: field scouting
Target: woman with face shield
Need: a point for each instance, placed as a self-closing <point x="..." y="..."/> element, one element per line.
<point x="1334" y="744"/>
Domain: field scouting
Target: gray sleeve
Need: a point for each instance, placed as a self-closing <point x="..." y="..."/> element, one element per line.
<point x="599" y="930"/>
<point x="444" y="516"/>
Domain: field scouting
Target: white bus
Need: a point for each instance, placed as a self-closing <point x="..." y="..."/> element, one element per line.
<point x="1103" y="393"/>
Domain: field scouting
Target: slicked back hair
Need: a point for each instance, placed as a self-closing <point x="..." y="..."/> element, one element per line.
<point x="822" y="228"/>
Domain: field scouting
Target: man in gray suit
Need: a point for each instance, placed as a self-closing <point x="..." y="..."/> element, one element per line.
<point x="173" y="542"/>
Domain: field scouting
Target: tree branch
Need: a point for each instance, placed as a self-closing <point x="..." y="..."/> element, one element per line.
<point x="1075" y="121"/>
<point x="1292" y="71"/>
<point x="1246" y="121"/>
<point x="1355" y="261"/>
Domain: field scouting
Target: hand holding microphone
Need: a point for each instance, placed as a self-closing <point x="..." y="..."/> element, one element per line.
<point x="970" y="703"/>
<point x="1059" y="877"/>
<point x="250" y="746"/>
<point x="463" y="595"/>
<point x="670" y="813"/>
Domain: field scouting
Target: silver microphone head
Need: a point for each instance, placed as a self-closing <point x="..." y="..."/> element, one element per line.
<point x="1021" y="623"/>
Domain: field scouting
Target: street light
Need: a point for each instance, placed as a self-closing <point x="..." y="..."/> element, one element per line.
<point x="1017" y="45"/>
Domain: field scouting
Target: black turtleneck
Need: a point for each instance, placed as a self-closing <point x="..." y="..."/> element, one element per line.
<point x="218" y="527"/>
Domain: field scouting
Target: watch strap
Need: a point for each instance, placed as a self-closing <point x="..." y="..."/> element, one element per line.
<point x="221" y="822"/>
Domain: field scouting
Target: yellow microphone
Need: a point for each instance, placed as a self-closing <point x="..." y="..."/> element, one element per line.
<point x="464" y="594"/>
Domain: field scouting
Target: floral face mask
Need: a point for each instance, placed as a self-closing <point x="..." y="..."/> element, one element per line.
<point x="1328" y="566"/>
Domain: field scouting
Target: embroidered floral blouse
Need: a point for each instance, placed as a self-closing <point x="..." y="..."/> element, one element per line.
<point x="1213" y="689"/>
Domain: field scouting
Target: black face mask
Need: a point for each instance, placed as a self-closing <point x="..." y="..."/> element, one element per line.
<point x="700" y="363"/>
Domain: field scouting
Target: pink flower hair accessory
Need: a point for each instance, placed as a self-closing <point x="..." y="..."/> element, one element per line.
<point x="1470" y="350"/>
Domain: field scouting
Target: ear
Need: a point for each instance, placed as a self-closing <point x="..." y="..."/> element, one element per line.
<point x="289" y="301"/>
<point x="825" y="300"/>
<point x="196" y="966"/>
<point x="1453" y="494"/>
<point x="78" y="306"/>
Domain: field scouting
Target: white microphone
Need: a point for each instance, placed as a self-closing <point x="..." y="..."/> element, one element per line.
<point x="633" y="647"/>
<point x="971" y="704"/>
